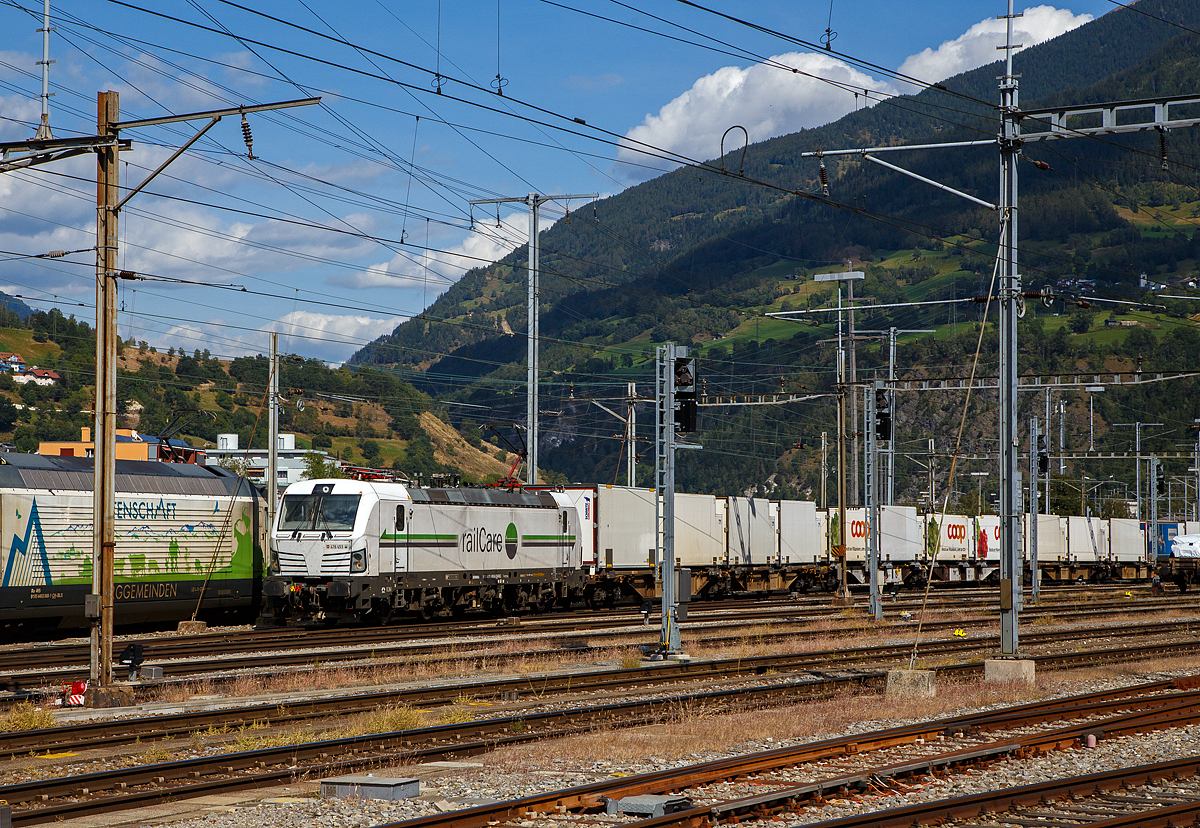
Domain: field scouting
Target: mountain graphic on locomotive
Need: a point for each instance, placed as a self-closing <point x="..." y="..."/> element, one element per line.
<point x="188" y="537"/>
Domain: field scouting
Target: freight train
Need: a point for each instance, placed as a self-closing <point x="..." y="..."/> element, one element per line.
<point x="188" y="538"/>
<point x="348" y="550"/>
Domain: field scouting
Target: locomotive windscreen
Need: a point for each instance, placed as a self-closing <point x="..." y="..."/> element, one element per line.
<point x="318" y="513"/>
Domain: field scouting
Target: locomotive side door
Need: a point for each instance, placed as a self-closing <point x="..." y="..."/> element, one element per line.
<point x="399" y="519"/>
<point x="566" y="539"/>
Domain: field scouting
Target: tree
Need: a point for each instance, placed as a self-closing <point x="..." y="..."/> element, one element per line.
<point x="8" y="414"/>
<point x="237" y="465"/>
<point x="370" y="450"/>
<point x="319" y="467"/>
<point x="1081" y="321"/>
<point x="470" y="433"/>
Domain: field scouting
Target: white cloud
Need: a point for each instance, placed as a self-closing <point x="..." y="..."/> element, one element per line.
<point x="769" y="101"/>
<point x="765" y="99"/>
<point x="977" y="46"/>
<point x="432" y="272"/>
<point x="326" y="336"/>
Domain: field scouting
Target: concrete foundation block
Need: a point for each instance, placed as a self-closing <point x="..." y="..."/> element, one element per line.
<point x="98" y="697"/>
<point x="650" y="806"/>
<point x="919" y="683"/>
<point x="370" y="787"/>
<point x="191" y="627"/>
<point x="1018" y="670"/>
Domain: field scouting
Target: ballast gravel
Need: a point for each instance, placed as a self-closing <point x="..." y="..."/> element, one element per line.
<point x="448" y="786"/>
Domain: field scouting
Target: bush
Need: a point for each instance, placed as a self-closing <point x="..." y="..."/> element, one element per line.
<point x="406" y="426"/>
<point x="370" y="450"/>
<point x="322" y="441"/>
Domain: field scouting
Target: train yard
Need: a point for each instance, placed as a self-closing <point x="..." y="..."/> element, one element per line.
<point x="467" y="698"/>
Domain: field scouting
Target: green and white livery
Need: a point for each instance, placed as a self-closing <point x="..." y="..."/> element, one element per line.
<point x="360" y="550"/>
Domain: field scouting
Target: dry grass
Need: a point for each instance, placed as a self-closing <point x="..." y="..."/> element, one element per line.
<point x="385" y="720"/>
<point x="511" y="656"/>
<point x="457" y="713"/>
<point x="154" y="755"/>
<point x="250" y="740"/>
<point x="692" y="731"/>
<point x="25" y="716"/>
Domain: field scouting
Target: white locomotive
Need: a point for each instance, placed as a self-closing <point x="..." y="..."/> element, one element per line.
<point x="359" y="550"/>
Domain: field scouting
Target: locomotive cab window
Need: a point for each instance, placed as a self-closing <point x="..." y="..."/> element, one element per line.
<point x="564" y="517"/>
<point x="318" y="513"/>
<point x="400" y="518"/>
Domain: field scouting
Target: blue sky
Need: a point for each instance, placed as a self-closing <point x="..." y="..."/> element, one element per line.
<point x="312" y="227"/>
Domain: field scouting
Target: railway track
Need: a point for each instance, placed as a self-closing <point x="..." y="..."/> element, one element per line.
<point x="91" y="735"/>
<point x="195" y="655"/>
<point x="851" y="766"/>
<point x="1109" y="713"/>
<point x="239" y="641"/>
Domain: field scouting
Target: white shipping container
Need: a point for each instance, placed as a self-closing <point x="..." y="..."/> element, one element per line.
<point x="957" y="540"/>
<point x="987" y="539"/>
<point x="856" y="538"/>
<point x="1126" y="541"/>
<point x="751" y="534"/>
<point x="624" y="518"/>
<point x="1052" y="539"/>
<point x="801" y="532"/>
<point x="700" y="530"/>
<point x="1087" y="539"/>
<point x="900" y="536"/>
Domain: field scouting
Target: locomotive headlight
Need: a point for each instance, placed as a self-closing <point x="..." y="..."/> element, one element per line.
<point x="358" y="560"/>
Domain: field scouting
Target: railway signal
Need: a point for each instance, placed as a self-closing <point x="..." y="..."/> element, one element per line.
<point x="685" y="395"/>
<point x="883" y="414"/>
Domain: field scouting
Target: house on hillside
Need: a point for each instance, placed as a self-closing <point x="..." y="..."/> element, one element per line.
<point x="38" y="376"/>
<point x="12" y="363"/>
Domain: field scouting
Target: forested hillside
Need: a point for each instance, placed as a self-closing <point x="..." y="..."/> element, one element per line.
<point x="701" y="258"/>
<point x="361" y="416"/>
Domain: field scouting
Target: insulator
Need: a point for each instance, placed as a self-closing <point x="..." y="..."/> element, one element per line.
<point x="247" y="137"/>
<point x="1162" y="147"/>
<point x="824" y="180"/>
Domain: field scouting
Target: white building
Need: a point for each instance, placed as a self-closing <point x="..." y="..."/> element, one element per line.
<point x="38" y="376"/>
<point x="290" y="460"/>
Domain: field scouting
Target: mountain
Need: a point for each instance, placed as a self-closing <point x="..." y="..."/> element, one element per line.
<point x="698" y="258"/>
<point x="15" y="305"/>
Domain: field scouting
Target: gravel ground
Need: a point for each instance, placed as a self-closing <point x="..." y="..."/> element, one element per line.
<point x="453" y="785"/>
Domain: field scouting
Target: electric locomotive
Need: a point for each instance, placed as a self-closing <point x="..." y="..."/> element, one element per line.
<point x="187" y="539"/>
<point x="365" y="550"/>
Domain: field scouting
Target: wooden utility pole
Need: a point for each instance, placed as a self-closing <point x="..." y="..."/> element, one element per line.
<point x="99" y="604"/>
<point x="104" y="477"/>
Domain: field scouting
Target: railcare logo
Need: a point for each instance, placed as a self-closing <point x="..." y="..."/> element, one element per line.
<point x="510" y="541"/>
<point x="481" y="541"/>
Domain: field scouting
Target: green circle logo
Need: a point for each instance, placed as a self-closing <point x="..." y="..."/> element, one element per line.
<point x="510" y="541"/>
